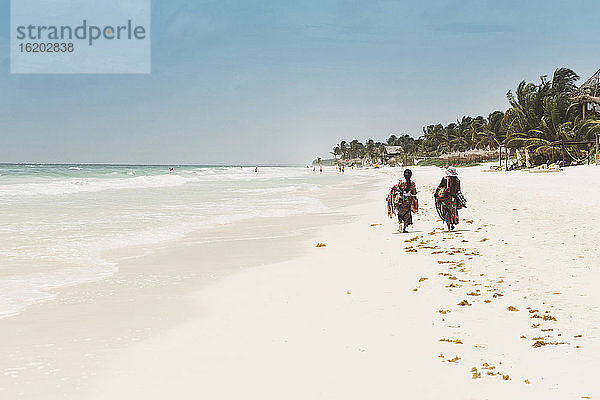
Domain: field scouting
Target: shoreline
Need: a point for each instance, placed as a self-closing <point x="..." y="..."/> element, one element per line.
<point x="87" y="216"/>
<point x="144" y="297"/>
<point x="345" y="321"/>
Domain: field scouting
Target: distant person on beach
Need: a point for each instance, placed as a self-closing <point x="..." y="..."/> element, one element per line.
<point x="256" y="169"/>
<point x="320" y="169"/>
<point x="449" y="198"/>
<point x="402" y="201"/>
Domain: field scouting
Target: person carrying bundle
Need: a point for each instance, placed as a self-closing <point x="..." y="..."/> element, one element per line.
<point x="449" y="198"/>
<point x="402" y="201"/>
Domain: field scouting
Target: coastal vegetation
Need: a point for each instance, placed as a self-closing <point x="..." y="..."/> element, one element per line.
<point x="548" y="121"/>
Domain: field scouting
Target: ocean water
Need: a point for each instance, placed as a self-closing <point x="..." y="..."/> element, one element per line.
<point x="57" y="221"/>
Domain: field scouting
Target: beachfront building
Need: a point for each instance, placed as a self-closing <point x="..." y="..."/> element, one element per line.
<point x="395" y="155"/>
<point x="588" y="95"/>
<point x="392" y="154"/>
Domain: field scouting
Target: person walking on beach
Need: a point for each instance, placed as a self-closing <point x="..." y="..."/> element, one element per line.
<point x="402" y="201"/>
<point x="449" y="198"/>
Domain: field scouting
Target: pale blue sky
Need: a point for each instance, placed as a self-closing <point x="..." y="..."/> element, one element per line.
<point x="282" y="81"/>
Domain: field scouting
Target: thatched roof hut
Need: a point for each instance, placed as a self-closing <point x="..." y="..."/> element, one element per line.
<point x="392" y="151"/>
<point x="588" y="94"/>
<point x="471" y="155"/>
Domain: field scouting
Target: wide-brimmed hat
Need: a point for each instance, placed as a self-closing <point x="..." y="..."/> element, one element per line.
<point x="451" y="171"/>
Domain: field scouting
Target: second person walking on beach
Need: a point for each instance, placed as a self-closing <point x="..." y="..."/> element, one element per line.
<point x="402" y="201"/>
<point x="449" y="198"/>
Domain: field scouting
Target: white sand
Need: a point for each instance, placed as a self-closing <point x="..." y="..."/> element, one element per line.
<point x="343" y="321"/>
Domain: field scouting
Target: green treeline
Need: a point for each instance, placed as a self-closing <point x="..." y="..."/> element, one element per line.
<point x="541" y="117"/>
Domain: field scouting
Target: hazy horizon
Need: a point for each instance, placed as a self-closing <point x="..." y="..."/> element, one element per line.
<point x="258" y="82"/>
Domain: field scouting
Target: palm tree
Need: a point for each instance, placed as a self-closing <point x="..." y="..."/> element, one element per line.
<point x="336" y="152"/>
<point x="462" y="140"/>
<point x="563" y="81"/>
<point x="490" y="134"/>
<point x="356" y="149"/>
<point x="343" y="149"/>
<point x="447" y="138"/>
<point x="542" y="114"/>
<point x="370" y="149"/>
<point x="433" y="136"/>
<point x="379" y="150"/>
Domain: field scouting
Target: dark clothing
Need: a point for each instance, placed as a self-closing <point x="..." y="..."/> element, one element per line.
<point x="452" y="183"/>
<point x="449" y="199"/>
<point x="400" y="200"/>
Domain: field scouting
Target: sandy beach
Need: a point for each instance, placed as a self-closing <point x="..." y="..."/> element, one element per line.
<point x="208" y="200"/>
<point x="504" y="306"/>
